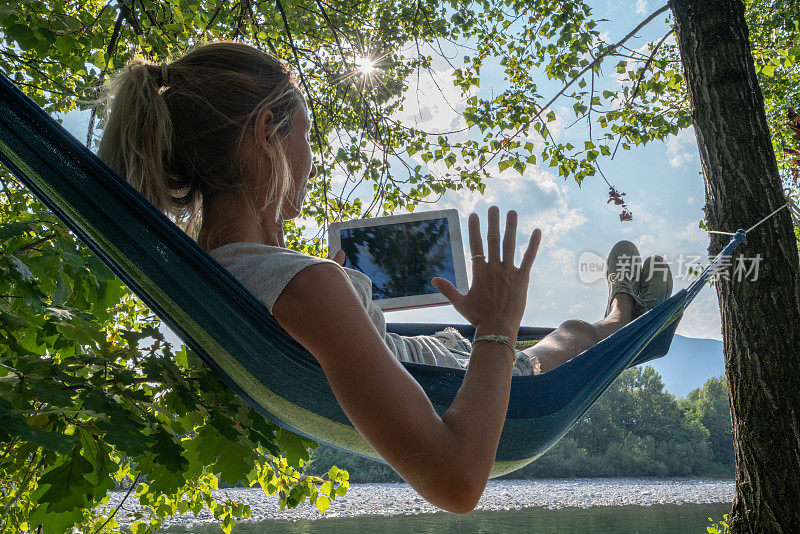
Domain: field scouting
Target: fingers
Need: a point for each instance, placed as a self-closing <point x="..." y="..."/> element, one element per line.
<point x="475" y="241"/>
<point x="447" y="289"/>
<point x="510" y="238"/>
<point x="530" y="252"/>
<point x="493" y="234"/>
<point x="340" y="258"/>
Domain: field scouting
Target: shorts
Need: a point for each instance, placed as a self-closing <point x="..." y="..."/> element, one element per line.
<point x="461" y="348"/>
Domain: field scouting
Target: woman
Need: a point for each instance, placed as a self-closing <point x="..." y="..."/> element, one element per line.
<point x="220" y="135"/>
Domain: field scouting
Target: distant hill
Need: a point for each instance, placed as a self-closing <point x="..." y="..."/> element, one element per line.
<point x="690" y="362"/>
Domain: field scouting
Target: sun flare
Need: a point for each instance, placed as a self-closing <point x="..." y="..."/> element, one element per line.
<point x="365" y="65"/>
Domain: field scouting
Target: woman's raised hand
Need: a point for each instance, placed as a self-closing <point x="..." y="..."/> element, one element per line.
<point x="496" y="300"/>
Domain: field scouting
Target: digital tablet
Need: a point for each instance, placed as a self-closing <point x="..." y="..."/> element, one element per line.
<point x="402" y="253"/>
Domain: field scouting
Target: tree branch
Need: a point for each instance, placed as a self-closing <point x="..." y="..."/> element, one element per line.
<point x="112" y="44"/>
<point x="317" y="133"/>
<point x="591" y="65"/>
<point x="135" y="482"/>
<point x="647" y="65"/>
<point x="33" y="244"/>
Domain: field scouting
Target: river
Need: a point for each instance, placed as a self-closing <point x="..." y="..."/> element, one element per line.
<point x="507" y="506"/>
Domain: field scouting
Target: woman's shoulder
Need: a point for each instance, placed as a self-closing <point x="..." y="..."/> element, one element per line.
<point x="264" y="270"/>
<point x="233" y="253"/>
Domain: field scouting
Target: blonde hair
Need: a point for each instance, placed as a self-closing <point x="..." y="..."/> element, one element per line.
<point x="176" y="131"/>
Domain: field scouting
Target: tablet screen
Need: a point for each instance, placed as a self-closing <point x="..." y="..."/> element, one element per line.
<point x="401" y="258"/>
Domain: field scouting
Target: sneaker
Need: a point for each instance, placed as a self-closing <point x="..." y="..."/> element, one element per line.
<point x="655" y="283"/>
<point x="623" y="269"/>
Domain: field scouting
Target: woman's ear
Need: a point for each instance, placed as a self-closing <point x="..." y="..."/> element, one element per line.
<point x="263" y="129"/>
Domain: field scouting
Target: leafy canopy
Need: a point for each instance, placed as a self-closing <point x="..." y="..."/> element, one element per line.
<point x="92" y="396"/>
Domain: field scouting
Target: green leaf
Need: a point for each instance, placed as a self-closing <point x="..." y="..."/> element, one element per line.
<point x="14" y="425"/>
<point x="98" y="59"/>
<point x="293" y="446"/>
<point x="15" y="229"/>
<point x="235" y="461"/>
<point x="55" y="521"/>
<point x="69" y="487"/>
<point x="227" y="525"/>
<point x="182" y="358"/>
<point x="21" y="268"/>
<point x="23" y="35"/>
<point x="322" y="503"/>
<point x="75" y="333"/>
<point x="62" y="291"/>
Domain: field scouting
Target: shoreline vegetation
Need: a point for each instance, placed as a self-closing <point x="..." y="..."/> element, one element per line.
<point x="635" y="429"/>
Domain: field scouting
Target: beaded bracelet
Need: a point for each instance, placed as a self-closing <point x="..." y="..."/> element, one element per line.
<point x="494" y="338"/>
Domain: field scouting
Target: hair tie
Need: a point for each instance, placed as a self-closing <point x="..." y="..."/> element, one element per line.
<point x="163" y="73"/>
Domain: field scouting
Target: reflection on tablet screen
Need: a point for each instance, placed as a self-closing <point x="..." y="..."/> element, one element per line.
<point x="401" y="258"/>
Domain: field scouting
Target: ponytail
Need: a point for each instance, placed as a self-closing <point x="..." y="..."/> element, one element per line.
<point x="137" y="138"/>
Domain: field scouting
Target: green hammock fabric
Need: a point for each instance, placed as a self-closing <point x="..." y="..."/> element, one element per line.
<point x="237" y="337"/>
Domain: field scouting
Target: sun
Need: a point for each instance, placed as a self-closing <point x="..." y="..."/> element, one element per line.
<point x="365" y="65"/>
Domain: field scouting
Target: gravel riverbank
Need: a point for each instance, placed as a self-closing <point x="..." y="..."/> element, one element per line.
<point x="398" y="499"/>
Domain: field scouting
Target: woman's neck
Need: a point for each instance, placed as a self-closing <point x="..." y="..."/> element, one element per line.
<point x="228" y="221"/>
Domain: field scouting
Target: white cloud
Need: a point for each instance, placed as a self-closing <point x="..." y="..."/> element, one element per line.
<point x="681" y="148"/>
<point x="702" y="318"/>
<point x="553" y="216"/>
<point x="693" y="234"/>
<point x="641" y="7"/>
<point x="432" y="103"/>
<point x="565" y="259"/>
<point x="554" y="223"/>
<point x="576" y="308"/>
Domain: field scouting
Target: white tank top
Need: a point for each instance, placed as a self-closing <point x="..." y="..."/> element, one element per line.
<point x="266" y="270"/>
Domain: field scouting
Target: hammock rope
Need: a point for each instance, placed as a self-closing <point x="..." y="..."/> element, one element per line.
<point x="234" y="334"/>
<point x="790" y="204"/>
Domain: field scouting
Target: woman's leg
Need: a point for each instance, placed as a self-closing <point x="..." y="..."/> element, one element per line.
<point x="574" y="336"/>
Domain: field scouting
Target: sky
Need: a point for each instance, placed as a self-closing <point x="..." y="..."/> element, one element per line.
<point x="663" y="188"/>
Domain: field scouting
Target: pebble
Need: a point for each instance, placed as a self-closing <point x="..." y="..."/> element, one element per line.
<point x="400" y="499"/>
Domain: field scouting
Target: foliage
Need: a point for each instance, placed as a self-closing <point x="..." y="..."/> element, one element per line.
<point x="719" y="528"/>
<point x="793" y="150"/>
<point x="89" y="390"/>
<point x="60" y="51"/>
<point x="360" y="469"/>
<point x="775" y="37"/>
<point x="710" y="408"/>
<point x="92" y="396"/>
<point x="636" y="428"/>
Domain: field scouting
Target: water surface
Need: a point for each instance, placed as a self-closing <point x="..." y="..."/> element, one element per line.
<point x="656" y="519"/>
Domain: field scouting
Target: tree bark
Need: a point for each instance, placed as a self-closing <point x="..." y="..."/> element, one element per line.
<point x="760" y="318"/>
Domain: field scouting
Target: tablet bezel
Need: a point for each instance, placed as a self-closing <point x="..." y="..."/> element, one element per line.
<point x="456" y="247"/>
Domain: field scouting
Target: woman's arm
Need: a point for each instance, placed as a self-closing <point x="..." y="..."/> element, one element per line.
<point x="446" y="459"/>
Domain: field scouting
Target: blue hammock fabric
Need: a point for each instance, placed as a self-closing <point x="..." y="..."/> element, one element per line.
<point x="233" y="333"/>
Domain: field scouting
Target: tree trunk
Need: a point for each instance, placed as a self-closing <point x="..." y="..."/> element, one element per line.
<point x="760" y="318"/>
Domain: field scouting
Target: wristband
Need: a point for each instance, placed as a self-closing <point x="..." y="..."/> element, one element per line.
<point x="494" y="338"/>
